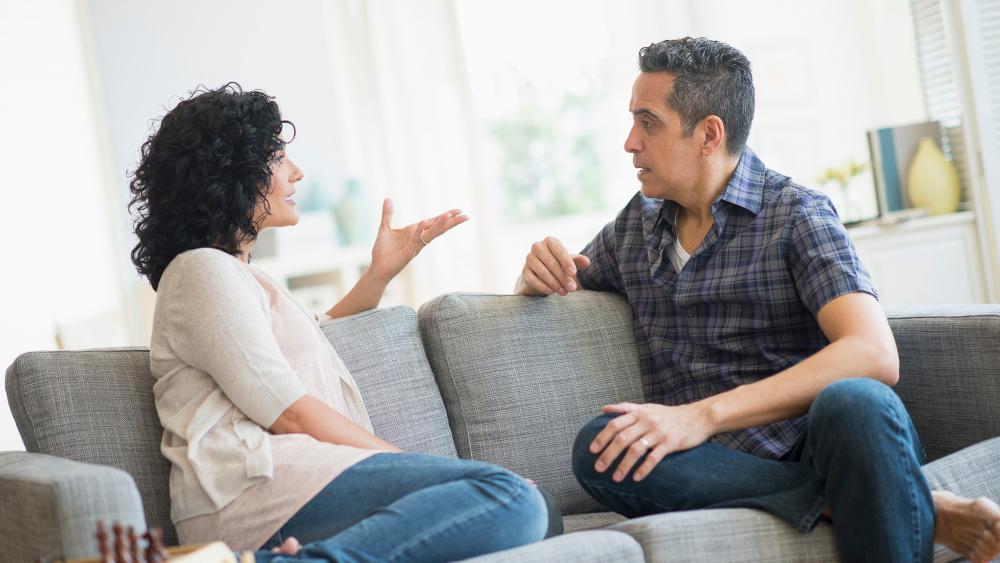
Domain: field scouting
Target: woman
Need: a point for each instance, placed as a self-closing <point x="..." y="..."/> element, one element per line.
<point x="265" y="429"/>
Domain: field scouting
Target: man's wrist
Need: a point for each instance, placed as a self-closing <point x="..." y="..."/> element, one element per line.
<point x="714" y="412"/>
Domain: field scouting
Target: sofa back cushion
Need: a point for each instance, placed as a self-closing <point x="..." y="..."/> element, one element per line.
<point x="96" y="406"/>
<point x="949" y="373"/>
<point x="521" y="375"/>
<point x="383" y="351"/>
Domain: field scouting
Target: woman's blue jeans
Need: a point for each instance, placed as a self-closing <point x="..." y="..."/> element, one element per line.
<point x="860" y="456"/>
<point x="414" y="507"/>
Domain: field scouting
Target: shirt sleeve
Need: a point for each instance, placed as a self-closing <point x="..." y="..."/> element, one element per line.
<point x="219" y="322"/>
<point x="603" y="273"/>
<point x="822" y="258"/>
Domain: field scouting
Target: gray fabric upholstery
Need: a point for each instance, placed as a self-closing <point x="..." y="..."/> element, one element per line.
<point x="95" y="406"/>
<point x="749" y="535"/>
<point x="732" y="534"/>
<point x="590" y="521"/>
<point x="582" y="547"/>
<point x="949" y="373"/>
<point x="382" y="349"/>
<point x="521" y="375"/>
<point x="517" y="377"/>
<point x="972" y="472"/>
<point x="50" y="505"/>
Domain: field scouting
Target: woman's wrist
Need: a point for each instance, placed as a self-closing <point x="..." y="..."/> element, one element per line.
<point x="373" y="282"/>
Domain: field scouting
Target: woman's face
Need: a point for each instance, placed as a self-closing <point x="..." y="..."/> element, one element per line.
<point x="284" y="175"/>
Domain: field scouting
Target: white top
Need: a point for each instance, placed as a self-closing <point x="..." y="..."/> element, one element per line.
<point x="231" y="350"/>
<point x="678" y="256"/>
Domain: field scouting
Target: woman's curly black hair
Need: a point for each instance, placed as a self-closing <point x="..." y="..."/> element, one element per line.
<point x="201" y="175"/>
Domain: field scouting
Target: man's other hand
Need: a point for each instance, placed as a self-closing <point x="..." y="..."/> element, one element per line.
<point x="549" y="268"/>
<point x="652" y="429"/>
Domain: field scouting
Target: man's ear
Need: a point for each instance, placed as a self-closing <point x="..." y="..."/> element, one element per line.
<point x="713" y="134"/>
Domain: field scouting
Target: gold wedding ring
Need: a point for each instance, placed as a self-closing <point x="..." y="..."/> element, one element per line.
<point x="422" y="239"/>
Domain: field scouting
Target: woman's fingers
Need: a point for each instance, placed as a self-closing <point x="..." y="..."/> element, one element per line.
<point x="441" y="224"/>
<point x="386" y="213"/>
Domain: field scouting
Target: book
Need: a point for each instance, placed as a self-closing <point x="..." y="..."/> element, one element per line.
<point x="892" y="149"/>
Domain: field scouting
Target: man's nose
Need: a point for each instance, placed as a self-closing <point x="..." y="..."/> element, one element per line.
<point x="632" y="144"/>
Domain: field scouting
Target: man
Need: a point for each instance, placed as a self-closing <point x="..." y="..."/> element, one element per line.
<point x="752" y="311"/>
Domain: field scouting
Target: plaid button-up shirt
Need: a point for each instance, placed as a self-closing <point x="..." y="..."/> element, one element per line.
<point x="744" y="306"/>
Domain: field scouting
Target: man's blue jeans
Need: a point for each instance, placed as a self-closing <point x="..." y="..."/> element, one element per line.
<point x="414" y="507"/>
<point x="860" y="456"/>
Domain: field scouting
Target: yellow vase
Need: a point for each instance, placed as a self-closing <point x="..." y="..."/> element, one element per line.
<point x="933" y="182"/>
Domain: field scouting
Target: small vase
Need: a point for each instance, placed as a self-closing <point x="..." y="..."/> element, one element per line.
<point x="933" y="183"/>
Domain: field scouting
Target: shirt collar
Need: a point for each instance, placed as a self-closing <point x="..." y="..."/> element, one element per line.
<point x="746" y="185"/>
<point x="745" y="189"/>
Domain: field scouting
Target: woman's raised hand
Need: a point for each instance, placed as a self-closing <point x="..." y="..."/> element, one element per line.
<point x="394" y="248"/>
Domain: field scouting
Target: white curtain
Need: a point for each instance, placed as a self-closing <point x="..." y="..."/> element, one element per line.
<point x="410" y="132"/>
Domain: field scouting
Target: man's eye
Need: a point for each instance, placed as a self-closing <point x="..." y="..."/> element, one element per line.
<point x="647" y="125"/>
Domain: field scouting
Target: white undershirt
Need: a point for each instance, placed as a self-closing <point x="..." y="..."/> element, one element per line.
<point x="678" y="256"/>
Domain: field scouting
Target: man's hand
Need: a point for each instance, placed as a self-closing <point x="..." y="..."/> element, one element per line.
<point x="657" y="429"/>
<point x="549" y="269"/>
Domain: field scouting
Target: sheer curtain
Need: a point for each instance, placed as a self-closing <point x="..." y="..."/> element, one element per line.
<point x="410" y="132"/>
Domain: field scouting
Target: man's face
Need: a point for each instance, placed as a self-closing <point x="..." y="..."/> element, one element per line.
<point x="667" y="160"/>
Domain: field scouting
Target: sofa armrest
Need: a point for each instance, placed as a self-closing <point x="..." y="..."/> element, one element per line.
<point x="51" y="505"/>
<point x="949" y="373"/>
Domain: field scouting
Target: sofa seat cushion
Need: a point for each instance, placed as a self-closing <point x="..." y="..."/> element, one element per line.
<point x="521" y="375"/>
<point x="740" y="534"/>
<point x="383" y="351"/>
<point x="590" y="521"/>
<point x="730" y="534"/>
<point x="582" y="547"/>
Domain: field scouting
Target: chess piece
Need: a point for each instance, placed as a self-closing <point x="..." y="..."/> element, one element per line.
<point x="121" y="553"/>
<point x="127" y="546"/>
<point x="133" y="544"/>
<point x="155" y="552"/>
<point x="102" y="543"/>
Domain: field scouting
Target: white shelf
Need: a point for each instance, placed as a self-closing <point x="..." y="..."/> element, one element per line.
<point x="934" y="260"/>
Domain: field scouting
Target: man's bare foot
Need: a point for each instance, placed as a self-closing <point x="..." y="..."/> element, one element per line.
<point x="970" y="527"/>
<point x="290" y="546"/>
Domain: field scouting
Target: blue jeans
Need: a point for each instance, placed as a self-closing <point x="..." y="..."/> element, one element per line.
<point x="414" y="507"/>
<point x="860" y="456"/>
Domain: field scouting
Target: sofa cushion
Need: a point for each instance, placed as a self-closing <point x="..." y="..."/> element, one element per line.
<point x="590" y="521"/>
<point x="96" y="406"/>
<point x="521" y="375"/>
<point x="382" y="349"/>
<point x="949" y="373"/>
<point x="972" y="472"/>
<point x="583" y="547"/>
<point x="749" y="535"/>
<point x="49" y="505"/>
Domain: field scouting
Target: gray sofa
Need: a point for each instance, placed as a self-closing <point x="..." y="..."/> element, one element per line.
<point x="504" y="379"/>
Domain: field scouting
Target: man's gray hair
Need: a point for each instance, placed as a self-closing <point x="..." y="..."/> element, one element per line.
<point x="712" y="78"/>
